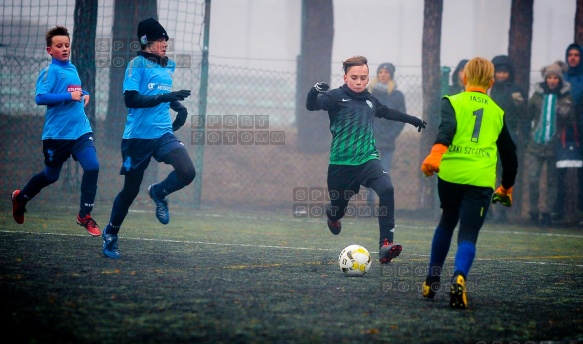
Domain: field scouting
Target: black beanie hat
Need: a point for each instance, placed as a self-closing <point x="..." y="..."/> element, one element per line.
<point x="388" y="66"/>
<point x="150" y="30"/>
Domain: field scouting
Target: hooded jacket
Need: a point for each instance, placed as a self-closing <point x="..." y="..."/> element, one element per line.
<point x="548" y="134"/>
<point x="386" y="132"/>
<point x="574" y="75"/>
<point x="455" y="86"/>
<point x="513" y="100"/>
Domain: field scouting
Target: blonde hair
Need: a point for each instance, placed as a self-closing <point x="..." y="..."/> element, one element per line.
<point x="479" y="72"/>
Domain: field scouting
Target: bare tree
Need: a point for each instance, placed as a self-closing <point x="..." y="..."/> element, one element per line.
<point x="314" y="65"/>
<point x="520" y="40"/>
<point x="127" y="15"/>
<point x="519" y="49"/>
<point x="431" y="85"/>
<point x="579" y="23"/>
<point x="83" y="49"/>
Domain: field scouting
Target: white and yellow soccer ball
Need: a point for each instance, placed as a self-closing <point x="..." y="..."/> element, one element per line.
<point x="354" y="260"/>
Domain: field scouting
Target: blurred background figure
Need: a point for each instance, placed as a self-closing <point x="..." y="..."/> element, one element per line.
<point x="457" y="84"/>
<point x="550" y="104"/>
<point x="384" y="88"/>
<point x="513" y="100"/>
<point x="574" y="76"/>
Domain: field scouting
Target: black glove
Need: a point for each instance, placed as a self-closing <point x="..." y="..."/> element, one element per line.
<point x="419" y="124"/>
<point x="180" y="119"/>
<point x="321" y="87"/>
<point x="172" y="96"/>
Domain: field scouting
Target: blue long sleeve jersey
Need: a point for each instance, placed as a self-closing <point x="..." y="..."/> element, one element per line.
<point x="147" y="76"/>
<point x="65" y="118"/>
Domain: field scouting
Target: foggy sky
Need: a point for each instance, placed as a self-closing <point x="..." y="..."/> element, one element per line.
<point x="266" y="33"/>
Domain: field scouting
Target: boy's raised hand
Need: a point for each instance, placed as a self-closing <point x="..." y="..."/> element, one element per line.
<point x="321" y="87"/>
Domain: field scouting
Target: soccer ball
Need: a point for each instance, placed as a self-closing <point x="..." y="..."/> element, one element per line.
<point x="354" y="260"/>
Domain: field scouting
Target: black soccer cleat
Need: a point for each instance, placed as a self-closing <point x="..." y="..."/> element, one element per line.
<point x="334" y="226"/>
<point x="388" y="251"/>
<point x="458" y="298"/>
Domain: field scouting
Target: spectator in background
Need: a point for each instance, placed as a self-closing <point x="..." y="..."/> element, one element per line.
<point x="513" y="100"/>
<point x="384" y="88"/>
<point x="541" y="149"/>
<point x="457" y="83"/>
<point x="574" y="76"/>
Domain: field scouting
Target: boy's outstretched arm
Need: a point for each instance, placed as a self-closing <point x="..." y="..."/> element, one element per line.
<point x="396" y="115"/>
<point x="133" y="99"/>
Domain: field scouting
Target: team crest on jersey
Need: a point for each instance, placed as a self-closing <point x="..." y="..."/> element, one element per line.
<point x="369" y="104"/>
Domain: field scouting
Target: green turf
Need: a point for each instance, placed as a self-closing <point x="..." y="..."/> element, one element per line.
<point x="225" y="276"/>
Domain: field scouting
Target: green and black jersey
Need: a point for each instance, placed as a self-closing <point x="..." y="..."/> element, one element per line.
<point x="351" y="123"/>
<point x="473" y="134"/>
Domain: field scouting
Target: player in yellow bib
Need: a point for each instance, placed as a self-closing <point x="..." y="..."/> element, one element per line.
<point x="472" y="134"/>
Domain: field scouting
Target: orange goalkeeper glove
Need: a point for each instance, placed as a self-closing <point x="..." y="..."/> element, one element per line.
<point x="502" y="195"/>
<point x="433" y="160"/>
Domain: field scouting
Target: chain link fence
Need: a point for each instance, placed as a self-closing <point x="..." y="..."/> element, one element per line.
<point x="245" y="149"/>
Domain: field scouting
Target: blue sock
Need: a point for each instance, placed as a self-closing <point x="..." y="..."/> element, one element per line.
<point x="464" y="257"/>
<point x="88" y="192"/>
<point x="439" y="249"/>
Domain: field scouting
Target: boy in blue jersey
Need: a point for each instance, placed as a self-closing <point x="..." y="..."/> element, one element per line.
<point x="354" y="159"/>
<point x="66" y="132"/>
<point x="149" y="131"/>
<point x="472" y="133"/>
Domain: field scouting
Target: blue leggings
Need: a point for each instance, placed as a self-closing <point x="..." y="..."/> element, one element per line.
<point x="87" y="157"/>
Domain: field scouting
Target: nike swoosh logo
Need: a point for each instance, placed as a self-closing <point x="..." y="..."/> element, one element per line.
<point x="345" y="100"/>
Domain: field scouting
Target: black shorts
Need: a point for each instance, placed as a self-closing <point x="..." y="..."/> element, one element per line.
<point x="472" y="202"/>
<point x="346" y="177"/>
<point x="136" y="153"/>
<point x="57" y="151"/>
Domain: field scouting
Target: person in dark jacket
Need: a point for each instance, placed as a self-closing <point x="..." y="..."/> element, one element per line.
<point x="513" y="100"/>
<point x="574" y="76"/>
<point x="384" y="88"/>
<point x="457" y="83"/>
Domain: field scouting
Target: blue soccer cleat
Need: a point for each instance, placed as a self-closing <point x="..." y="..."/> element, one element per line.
<point x="110" y="248"/>
<point x="162" y="212"/>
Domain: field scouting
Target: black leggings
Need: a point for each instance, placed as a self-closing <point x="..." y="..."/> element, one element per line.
<point x="182" y="175"/>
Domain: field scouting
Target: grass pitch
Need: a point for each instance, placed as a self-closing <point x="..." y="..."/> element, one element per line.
<point x="225" y="276"/>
